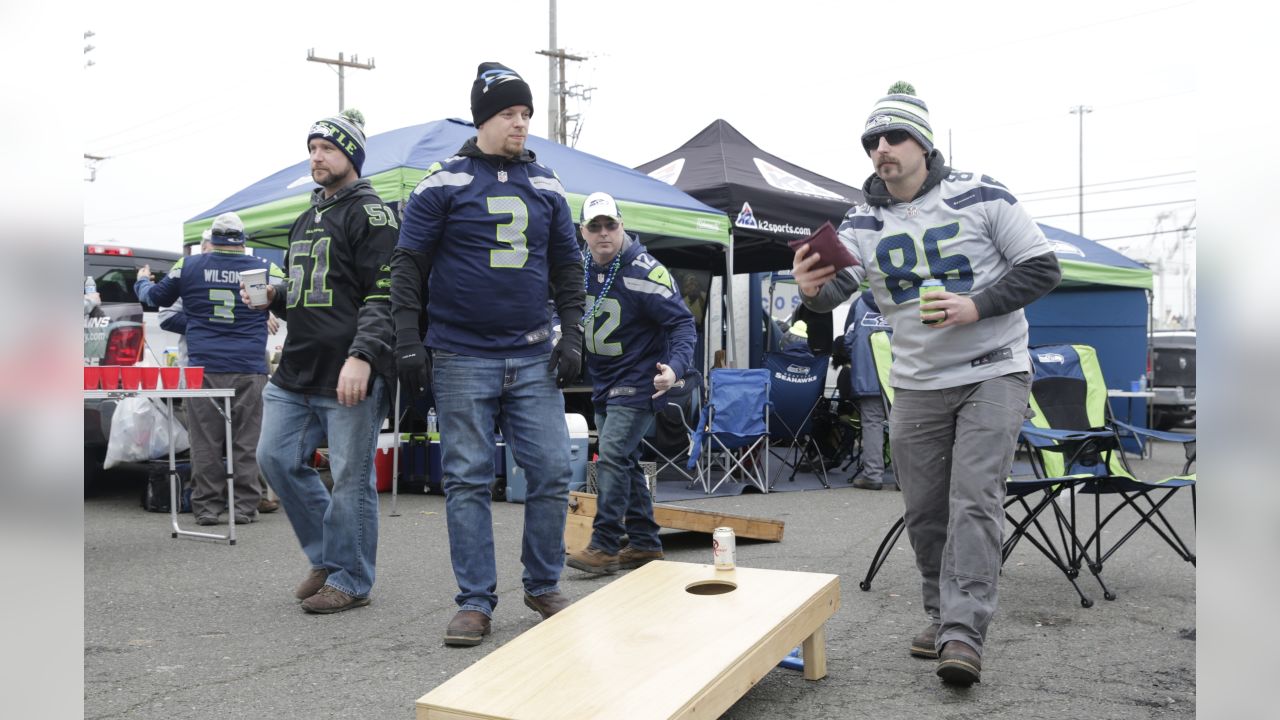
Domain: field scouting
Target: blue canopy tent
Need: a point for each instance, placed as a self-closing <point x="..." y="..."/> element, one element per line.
<point x="680" y="231"/>
<point x="1103" y="301"/>
<point x="395" y="161"/>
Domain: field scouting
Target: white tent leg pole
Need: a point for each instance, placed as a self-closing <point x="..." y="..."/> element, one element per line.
<point x="731" y="352"/>
<point x="395" y="451"/>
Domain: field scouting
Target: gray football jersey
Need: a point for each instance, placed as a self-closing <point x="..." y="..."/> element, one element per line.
<point x="968" y="232"/>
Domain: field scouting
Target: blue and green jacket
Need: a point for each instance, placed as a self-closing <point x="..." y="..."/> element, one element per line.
<point x="223" y="334"/>
<point x="641" y="321"/>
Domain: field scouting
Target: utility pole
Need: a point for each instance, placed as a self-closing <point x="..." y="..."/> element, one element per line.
<point x="341" y="63"/>
<point x="92" y="166"/>
<point x="1081" y="110"/>
<point x="560" y="92"/>
<point x="553" y="115"/>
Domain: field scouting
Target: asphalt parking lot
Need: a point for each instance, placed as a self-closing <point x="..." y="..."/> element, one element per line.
<point x="178" y="628"/>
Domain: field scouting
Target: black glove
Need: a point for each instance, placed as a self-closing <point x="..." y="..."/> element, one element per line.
<point x="566" y="358"/>
<point x="413" y="364"/>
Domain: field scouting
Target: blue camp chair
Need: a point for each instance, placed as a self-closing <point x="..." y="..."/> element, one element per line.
<point x="796" y="388"/>
<point x="733" y="428"/>
<point x="1074" y="433"/>
<point x="670" y="440"/>
<point x="1035" y="497"/>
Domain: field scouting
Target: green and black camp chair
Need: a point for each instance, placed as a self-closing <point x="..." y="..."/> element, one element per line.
<point x="1033" y="496"/>
<point x="1073" y="432"/>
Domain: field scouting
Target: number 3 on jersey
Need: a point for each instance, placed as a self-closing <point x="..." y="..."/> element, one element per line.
<point x="897" y="257"/>
<point x="316" y="254"/>
<point x="511" y="233"/>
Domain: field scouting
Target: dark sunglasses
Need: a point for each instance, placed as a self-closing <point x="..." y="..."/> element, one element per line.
<point x="895" y="137"/>
<point x="609" y="225"/>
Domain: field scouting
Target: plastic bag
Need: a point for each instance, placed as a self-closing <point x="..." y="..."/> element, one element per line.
<point x="140" y="432"/>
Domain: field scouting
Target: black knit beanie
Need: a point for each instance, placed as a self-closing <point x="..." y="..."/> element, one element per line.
<point x="497" y="87"/>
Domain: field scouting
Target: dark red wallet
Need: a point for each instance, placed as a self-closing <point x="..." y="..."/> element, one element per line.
<point x="827" y="244"/>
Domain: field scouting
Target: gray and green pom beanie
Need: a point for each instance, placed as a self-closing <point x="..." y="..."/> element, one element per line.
<point x="901" y="110"/>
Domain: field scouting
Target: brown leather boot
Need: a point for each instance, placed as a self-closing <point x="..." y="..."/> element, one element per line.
<point x="924" y="645"/>
<point x="547" y="604"/>
<point x="959" y="664"/>
<point x="311" y="584"/>
<point x="467" y="628"/>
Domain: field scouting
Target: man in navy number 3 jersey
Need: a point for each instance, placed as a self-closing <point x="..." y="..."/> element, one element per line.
<point x="489" y="232"/>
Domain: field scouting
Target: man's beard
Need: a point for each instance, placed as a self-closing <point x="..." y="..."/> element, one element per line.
<point x="328" y="179"/>
<point x="513" y="148"/>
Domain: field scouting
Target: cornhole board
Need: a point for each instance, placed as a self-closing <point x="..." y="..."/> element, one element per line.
<point x="582" y="510"/>
<point x="645" y="647"/>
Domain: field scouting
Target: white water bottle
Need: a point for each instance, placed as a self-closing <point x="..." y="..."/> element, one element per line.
<point x="90" y="286"/>
<point x="431" y="421"/>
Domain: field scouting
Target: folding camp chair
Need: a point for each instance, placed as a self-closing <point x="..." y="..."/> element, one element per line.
<point x="796" y="380"/>
<point x="670" y="442"/>
<point x="1034" y="496"/>
<point x="733" y="429"/>
<point x="1073" y="432"/>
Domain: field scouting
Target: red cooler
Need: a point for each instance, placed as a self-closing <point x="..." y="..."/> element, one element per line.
<point x="382" y="460"/>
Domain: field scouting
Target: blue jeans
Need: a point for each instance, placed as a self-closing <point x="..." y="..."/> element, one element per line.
<point x="624" y="503"/>
<point x="339" y="531"/>
<point x="519" y="395"/>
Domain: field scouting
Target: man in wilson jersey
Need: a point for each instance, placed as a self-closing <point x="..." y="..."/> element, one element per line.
<point x="961" y="383"/>
<point x="640" y="339"/>
<point x="332" y="380"/>
<point x="490" y="233"/>
<point x="228" y="339"/>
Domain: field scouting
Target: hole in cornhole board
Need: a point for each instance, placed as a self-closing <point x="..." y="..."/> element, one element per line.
<point x="711" y="587"/>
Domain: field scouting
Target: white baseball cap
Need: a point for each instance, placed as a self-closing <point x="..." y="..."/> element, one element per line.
<point x="600" y="204"/>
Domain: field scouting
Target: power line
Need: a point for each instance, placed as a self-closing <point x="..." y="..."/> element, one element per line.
<point x="1105" y="192"/>
<point x="146" y="122"/>
<point x="1145" y="234"/>
<point x="1127" y="207"/>
<point x="1108" y="182"/>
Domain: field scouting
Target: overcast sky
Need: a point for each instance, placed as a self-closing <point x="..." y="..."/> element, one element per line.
<point x="200" y="101"/>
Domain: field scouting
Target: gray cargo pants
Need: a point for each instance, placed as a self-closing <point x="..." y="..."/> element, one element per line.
<point x="208" y="441"/>
<point x="953" y="450"/>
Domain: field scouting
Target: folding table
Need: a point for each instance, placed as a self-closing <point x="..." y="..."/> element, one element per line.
<point x="174" y="501"/>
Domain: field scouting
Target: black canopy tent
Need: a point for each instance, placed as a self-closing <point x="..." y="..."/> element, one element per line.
<point x="771" y="200"/>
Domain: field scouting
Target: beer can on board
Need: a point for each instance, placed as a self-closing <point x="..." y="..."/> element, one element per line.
<point x="724" y="548"/>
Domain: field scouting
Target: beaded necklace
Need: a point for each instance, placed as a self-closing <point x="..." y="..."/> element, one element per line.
<point x="608" y="281"/>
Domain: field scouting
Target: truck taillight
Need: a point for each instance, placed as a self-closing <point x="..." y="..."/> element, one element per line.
<point x="124" y="346"/>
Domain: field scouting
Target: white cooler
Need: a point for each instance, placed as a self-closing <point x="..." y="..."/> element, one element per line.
<point x="517" y="483"/>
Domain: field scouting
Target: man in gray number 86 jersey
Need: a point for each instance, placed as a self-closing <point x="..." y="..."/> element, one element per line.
<point x="961" y="374"/>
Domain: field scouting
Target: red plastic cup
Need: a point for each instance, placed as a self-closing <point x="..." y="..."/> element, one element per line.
<point x="169" y="377"/>
<point x="110" y="377"/>
<point x="130" y="377"/>
<point x="92" y="377"/>
<point x="150" y="376"/>
<point x="194" y="377"/>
